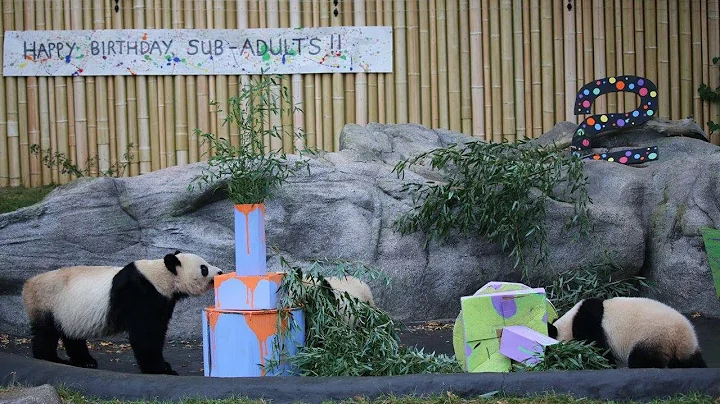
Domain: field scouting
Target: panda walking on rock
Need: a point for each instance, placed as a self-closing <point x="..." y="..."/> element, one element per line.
<point x="81" y="302"/>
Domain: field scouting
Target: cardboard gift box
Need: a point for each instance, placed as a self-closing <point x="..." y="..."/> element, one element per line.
<point x="239" y="343"/>
<point x="523" y="344"/>
<point x="484" y="317"/>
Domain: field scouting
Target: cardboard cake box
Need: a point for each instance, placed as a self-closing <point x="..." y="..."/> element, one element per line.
<point x="247" y="292"/>
<point x="239" y="343"/>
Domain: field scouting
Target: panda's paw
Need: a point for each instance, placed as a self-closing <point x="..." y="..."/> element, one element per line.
<point x="88" y="363"/>
<point x="169" y="370"/>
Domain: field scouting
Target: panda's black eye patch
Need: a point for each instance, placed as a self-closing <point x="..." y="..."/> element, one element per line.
<point x="204" y="270"/>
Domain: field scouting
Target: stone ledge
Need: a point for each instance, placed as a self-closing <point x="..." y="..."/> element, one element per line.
<point x="621" y="384"/>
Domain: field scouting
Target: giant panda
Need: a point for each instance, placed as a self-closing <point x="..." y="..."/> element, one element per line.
<point x="81" y="302"/>
<point x="639" y="332"/>
<point x="339" y="285"/>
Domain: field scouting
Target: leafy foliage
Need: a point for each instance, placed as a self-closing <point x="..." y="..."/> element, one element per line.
<point x="368" y="345"/>
<point x="498" y="190"/>
<point x="602" y="280"/>
<point x="711" y="95"/>
<point x="569" y="355"/>
<point x="252" y="169"/>
<point x="65" y="165"/>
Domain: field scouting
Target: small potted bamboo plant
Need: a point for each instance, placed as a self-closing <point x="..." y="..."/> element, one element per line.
<point x="248" y="169"/>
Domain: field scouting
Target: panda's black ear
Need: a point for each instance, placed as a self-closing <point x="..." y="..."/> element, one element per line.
<point x="177" y="252"/>
<point x="552" y="331"/>
<point x="172" y="262"/>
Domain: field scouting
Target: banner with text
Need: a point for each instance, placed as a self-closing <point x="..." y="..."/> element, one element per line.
<point x="198" y="51"/>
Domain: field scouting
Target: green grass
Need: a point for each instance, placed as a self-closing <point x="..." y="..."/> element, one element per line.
<point x="70" y="396"/>
<point x="448" y="398"/>
<point x="15" y="198"/>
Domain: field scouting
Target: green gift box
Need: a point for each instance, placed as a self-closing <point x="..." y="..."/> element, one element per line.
<point x="485" y="315"/>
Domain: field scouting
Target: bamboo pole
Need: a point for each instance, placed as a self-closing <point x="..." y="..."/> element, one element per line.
<point x="361" y="79"/>
<point x="527" y="72"/>
<point x="111" y="81"/>
<point x="713" y="51"/>
<point x="273" y="21"/>
<point x="309" y="89"/>
<point x="619" y="53"/>
<point x="22" y="108"/>
<point x="349" y="79"/>
<point x="61" y="112"/>
<point x="639" y="13"/>
<point x="168" y="93"/>
<point x="676" y="94"/>
<point x="89" y="99"/>
<point x="686" y="81"/>
<point x="663" y="83"/>
<point x="426" y="90"/>
<point x="203" y="102"/>
<point x="476" y="72"/>
<point x="599" y="62"/>
<point x="442" y="59"/>
<point x="100" y="101"/>
<point x="181" y="149"/>
<point x="298" y="118"/>
<point x="519" y="131"/>
<point x="4" y="134"/>
<point x="152" y="21"/>
<point x="43" y="102"/>
<point x="33" y="114"/>
<point x="79" y="106"/>
<point x="132" y="103"/>
<point x="704" y="58"/>
<point x="287" y="119"/>
<point x="579" y="44"/>
<point x="628" y="32"/>
<point x="232" y="16"/>
<point x="559" y="59"/>
<point x="11" y="105"/>
<point x="465" y="67"/>
<point x="546" y="28"/>
<point x="412" y="47"/>
<point x="434" y="79"/>
<point x="610" y="53"/>
<point x="506" y="82"/>
<point x="191" y="94"/>
<point x="569" y="62"/>
<point x="372" y="78"/>
<point x="143" y="117"/>
<point x="387" y="9"/>
<point x="338" y="101"/>
<point x="401" y="63"/>
<point x="697" y="64"/>
<point x="381" y="114"/>
<point x="536" y="66"/>
<point x="453" y="66"/>
<point x="212" y="91"/>
<point x="588" y="48"/>
<point x="327" y="90"/>
<point x="651" y="44"/>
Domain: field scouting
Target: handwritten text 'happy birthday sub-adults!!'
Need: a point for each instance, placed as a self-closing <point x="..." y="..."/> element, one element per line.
<point x="214" y="47"/>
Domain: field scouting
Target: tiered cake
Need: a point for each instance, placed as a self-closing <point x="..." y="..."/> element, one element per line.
<point x="240" y="330"/>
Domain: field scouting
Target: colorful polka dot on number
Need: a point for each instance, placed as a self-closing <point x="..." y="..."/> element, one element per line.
<point x="586" y="104"/>
<point x="636" y="113"/>
<point x="637" y="156"/>
<point x="620" y="85"/>
<point x="586" y="92"/>
<point x="621" y="122"/>
<point x="591" y="121"/>
<point x="586" y="142"/>
<point x="603" y="118"/>
<point x="643" y="92"/>
<point x="612" y="80"/>
<point x="628" y="153"/>
<point x="650" y="112"/>
<point x="623" y="160"/>
<point x="641" y="82"/>
<point x="652" y="156"/>
<point x="596" y="91"/>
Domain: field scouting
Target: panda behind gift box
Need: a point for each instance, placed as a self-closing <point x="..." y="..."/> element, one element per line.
<point x="639" y="332"/>
<point x="81" y="302"/>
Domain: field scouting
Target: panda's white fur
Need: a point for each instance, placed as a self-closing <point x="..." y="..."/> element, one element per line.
<point x="353" y="286"/>
<point x="639" y="332"/>
<point x="81" y="302"/>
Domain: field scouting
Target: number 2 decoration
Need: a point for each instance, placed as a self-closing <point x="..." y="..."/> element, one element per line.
<point x="595" y="124"/>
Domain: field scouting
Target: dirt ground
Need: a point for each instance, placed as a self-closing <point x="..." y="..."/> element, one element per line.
<point x="186" y="356"/>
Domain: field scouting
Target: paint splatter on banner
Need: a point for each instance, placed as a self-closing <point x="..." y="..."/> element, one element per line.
<point x="198" y="51"/>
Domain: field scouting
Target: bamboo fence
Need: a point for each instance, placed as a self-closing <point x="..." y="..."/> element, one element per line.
<point x="494" y="69"/>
